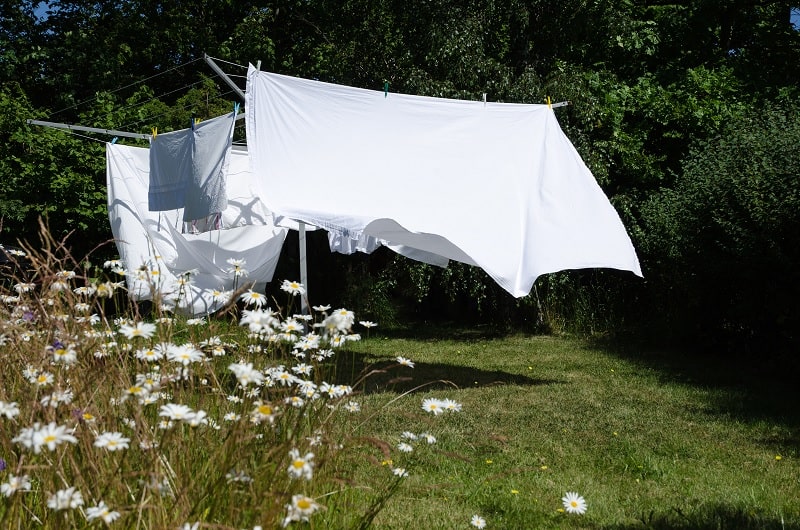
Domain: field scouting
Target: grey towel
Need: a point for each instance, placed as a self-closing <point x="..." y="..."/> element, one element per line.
<point x="188" y="168"/>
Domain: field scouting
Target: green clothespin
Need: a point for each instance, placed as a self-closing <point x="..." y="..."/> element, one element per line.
<point x="386" y="89"/>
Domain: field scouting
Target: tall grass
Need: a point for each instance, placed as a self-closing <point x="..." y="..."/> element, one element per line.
<point x="145" y="419"/>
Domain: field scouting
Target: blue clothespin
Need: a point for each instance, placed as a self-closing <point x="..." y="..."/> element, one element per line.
<point x="191" y="123"/>
<point x="235" y="108"/>
<point x="114" y="140"/>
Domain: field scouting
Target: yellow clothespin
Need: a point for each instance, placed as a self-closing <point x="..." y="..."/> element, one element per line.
<point x="549" y="104"/>
<point x="155" y="132"/>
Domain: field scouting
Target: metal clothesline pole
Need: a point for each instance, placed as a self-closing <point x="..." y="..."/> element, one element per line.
<point x="224" y="76"/>
<point x="301" y="225"/>
<point x="110" y="132"/>
<point x="303" y="267"/>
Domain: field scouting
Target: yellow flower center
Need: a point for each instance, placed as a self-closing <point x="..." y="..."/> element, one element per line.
<point x="304" y="503"/>
<point x="266" y="410"/>
<point x="298" y="464"/>
<point x="49" y="438"/>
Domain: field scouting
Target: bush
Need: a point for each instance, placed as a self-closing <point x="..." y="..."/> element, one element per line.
<point x="723" y="243"/>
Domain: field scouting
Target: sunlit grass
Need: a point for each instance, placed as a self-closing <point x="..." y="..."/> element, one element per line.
<point x="544" y="415"/>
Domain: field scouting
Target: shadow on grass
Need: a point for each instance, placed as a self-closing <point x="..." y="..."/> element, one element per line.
<point x="714" y="517"/>
<point x="423" y="331"/>
<point x="745" y="387"/>
<point x="389" y="376"/>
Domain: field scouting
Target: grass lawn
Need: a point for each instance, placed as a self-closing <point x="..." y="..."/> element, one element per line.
<point x="245" y="420"/>
<point x="650" y="439"/>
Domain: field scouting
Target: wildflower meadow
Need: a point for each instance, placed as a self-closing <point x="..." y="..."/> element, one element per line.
<point x="140" y="418"/>
<point x="132" y="415"/>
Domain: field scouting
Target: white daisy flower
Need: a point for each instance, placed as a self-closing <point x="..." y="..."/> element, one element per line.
<point x="293" y="288"/>
<point x="431" y="439"/>
<point x="451" y="406"/>
<point x="246" y="374"/>
<point x="15" y="484"/>
<point x="112" y="441"/>
<point x="66" y="499"/>
<point x="50" y="435"/>
<point x="144" y="330"/>
<point x="185" y="354"/>
<point x="9" y="410"/>
<point x="405" y="362"/>
<point x="253" y="298"/>
<point x="101" y="511"/>
<point x="300" y="467"/>
<point x="574" y="503"/>
<point x="149" y="354"/>
<point x="175" y="411"/>
<point x="405" y="447"/>
<point x="300" y="509"/>
<point x="433" y="405"/>
<point x="63" y="353"/>
<point x="478" y="522"/>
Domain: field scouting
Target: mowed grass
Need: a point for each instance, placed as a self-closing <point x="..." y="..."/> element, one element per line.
<point x="651" y="440"/>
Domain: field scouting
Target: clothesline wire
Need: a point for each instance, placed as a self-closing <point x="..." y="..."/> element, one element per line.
<point x="228" y="62"/>
<point x="154" y="98"/>
<point x="126" y="86"/>
<point x="88" y="137"/>
<point x="172" y="109"/>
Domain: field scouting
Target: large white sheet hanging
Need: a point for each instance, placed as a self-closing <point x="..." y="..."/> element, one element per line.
<point x="490" y="184"/>
<point x="150" y="239"/>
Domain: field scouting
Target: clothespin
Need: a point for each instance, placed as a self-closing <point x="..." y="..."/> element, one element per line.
<point x="155" y="132"/>
<point x="484" y="99"/>
<point x="549" y="104"/>
<point x="114" y="140"/>
<point x="386" y="89"/>
<point x="191" y="123"/>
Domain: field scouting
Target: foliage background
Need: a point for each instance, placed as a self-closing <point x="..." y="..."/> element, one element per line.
<point x="687" y="114"/>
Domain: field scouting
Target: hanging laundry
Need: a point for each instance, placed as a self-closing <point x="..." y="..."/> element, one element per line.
<point x="497" y="185"/>
<point x="188" y="168"/>
<point x="189" y="267"/>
